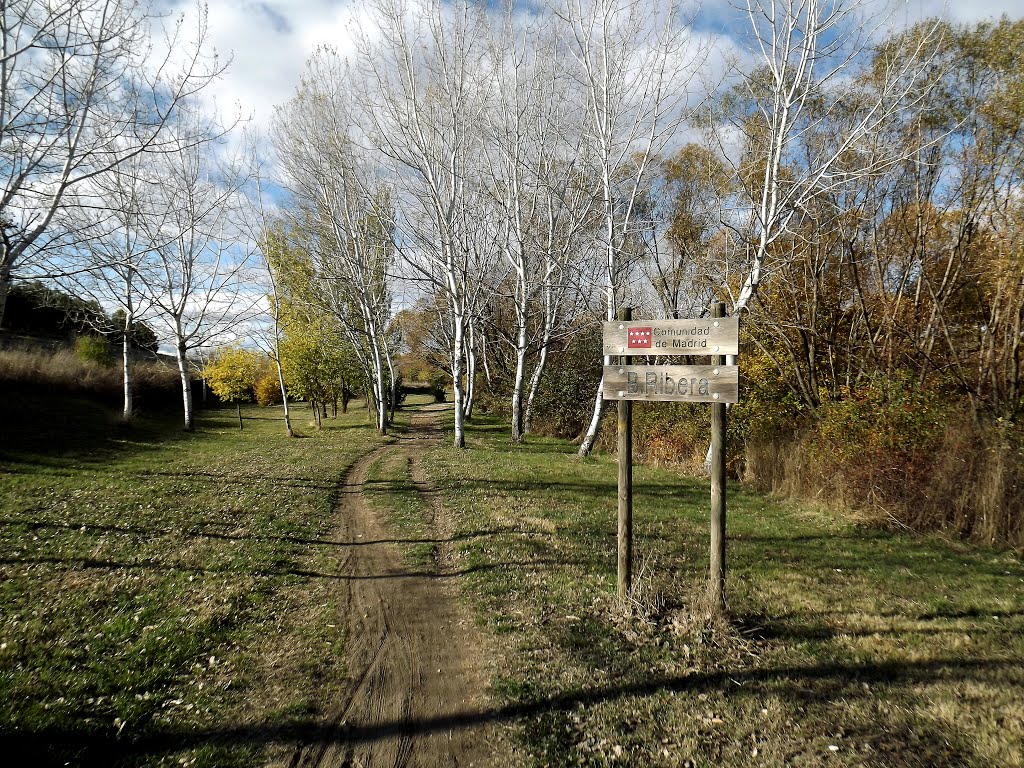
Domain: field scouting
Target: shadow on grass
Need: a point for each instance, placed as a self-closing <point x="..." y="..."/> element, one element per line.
<point x="34" y="430"/>
<point x="676" y="492"/>
<point x="94" y="563"/>
<point x="823" y="685"/>
<point x="127" y="530"/>
<point x="765" y="629"/>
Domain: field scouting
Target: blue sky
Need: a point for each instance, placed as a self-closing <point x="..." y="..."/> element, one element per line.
<point x="270" y="40"/>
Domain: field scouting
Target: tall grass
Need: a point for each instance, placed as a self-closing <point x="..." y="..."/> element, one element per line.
<point x="968" y="481"/>
<point x="62" y="372"/>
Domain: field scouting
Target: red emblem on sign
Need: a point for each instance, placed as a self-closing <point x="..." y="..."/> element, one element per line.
<point x="639" y="338"/>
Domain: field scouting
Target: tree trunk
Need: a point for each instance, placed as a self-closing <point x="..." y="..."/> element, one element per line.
<point x="284" y="396"/>
<point x="380" y="391"/>
<point x="518" y="418"/>
<point x="238" y="405"/>
<point x="186" y="386"/>
<point x="5" y="281"/>
<point x="458" y="395"/>
<point x="394" y="384"/>
<point x="470" y="374"/>
<point x="126" y="368"/>
<point x="535" y="378"/>
<point x="590" y="437"/>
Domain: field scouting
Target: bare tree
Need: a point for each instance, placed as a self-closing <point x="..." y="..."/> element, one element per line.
<point x="271" y="238"/>
<point x="807" y="126"/>
<point x="532" y="177"/>
<point x="82" y="90"/>
<point x="349" y="212"/>
<point x="201" y="283"/>
<point x="114" y="265"/>
<point x="797" y="142"/>
<point x="633" y="62"/>
<point x="421" y="97"/>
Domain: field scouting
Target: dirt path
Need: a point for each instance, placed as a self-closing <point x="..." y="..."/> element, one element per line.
<point x="416" y="661"/>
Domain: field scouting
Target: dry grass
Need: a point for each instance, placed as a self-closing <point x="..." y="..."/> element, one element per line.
<point x="971" y="486"/>
<point x="64" y="373"/>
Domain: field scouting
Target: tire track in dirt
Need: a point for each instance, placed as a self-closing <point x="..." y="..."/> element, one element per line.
<point x="414" y="654"/>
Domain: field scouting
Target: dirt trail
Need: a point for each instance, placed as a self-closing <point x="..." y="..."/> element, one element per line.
<point x="416" y="661"/>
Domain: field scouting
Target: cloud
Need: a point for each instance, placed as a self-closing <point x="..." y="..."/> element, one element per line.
<point x="269" y="43"/>
<point x="271" y="40"/>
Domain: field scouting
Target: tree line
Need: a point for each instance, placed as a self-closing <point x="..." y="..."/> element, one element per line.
<point x="490" y="183"/>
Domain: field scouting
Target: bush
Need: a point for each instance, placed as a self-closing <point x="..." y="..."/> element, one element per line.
<point x="565" y="398"/>
<point x="664" y="434"/>
<point x="94" y="349"/>
<point x="899" y="454"/>
<point x="268" y="389"/>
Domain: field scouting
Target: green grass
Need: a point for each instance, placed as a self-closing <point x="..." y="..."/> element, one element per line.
<point x="847" y="646"/>
<point x="167" y="600"/>
<point x="159" y="588"/>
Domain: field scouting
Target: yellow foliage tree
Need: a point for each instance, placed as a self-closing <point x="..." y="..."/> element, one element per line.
<point x="232" y="373"/>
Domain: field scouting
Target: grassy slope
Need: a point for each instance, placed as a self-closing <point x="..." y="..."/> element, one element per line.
<point x="159" y="589"/>
<point x="849" y="646"/>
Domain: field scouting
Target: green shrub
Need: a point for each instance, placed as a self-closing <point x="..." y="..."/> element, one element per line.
<point x="565" y="398"/>
<point x="94" y="349"/>
<point x="880" y="440"/>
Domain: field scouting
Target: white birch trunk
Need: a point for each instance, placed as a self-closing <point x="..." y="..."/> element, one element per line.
<point x="518" y="418"/>
<point x="458" y="394"/>
<point x="186" y="385"/>
<point x="126" y="369"/>
<point x="538" y="373"/>
<point x="470" y="372"/>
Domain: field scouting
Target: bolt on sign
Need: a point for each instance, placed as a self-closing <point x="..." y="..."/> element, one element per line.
<point x="706" y="336"/>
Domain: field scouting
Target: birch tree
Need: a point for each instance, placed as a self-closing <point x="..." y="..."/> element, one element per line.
<point x="272" y="241"/>
<point x="807" y="126"/>
<point x="115" y="264"/>
<point x="421" y="94"/>
<point x="532" y="175"/>
<point x="350" y="214"/>
<point x="201" y="285"/>
<point x="633" y="62"/>
<point x="83" y="89"/>
<point x="801" y="138"/>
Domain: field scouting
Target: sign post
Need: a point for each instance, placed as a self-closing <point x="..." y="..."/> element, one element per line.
<point x="718" y="416"/>
<point x="716" y="383"/>
<point x="624" y="574"/>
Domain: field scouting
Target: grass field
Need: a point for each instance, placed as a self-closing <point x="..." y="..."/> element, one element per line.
<point x="159" y="588"/>
<point x="847" y="647"/>
<point x="163" y="604"/>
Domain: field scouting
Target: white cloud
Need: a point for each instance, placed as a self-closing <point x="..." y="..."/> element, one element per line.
<point x="271" y="40"/>
<point x="269" y="43"/>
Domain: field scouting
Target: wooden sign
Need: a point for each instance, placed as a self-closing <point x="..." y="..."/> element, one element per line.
<point x="707" y="336"/>
<point x="672" y="383"/>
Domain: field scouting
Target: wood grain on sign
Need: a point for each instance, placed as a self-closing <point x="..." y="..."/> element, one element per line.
<point x="707" y="336"/>
<point x="672" y="383"/>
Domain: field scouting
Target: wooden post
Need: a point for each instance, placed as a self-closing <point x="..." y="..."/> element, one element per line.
<point x="624" y="582"/>
<point x="718" y="425"/>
